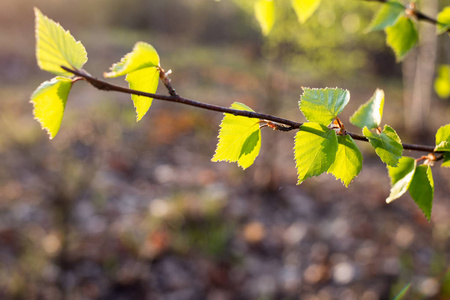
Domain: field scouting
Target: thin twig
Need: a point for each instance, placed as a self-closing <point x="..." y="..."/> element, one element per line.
<point x="417" y="13"/>
<point x="166" y="81"/>
<point x="289" y="125"/>
<point x="105" y="86"/>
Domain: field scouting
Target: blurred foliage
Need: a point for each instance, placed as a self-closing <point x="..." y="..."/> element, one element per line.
<point x="330" y="42"/>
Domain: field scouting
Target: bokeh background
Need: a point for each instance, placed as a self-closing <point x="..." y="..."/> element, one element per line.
<point x="114" y="209"/>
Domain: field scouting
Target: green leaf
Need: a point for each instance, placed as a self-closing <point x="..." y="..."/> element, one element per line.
<point x="446" y="162"/>
<point x="56" y="47"/>
<point x="369" y="114"/>
<point x="143" y="56"/>
<point x="402" y="37"/>
<point x="422" y="189"/>
<point x="323" y="105"/>
<point x="401" y="177"/>
<point x="49" y="101"/>
<point x="305" y="8"/>
<point x="386" y="16"/>
<point x="315" y="150"/>
<point x="239" y="138"/>
<point x="387" y="145"/>
<point x="145" y="80"/>
<point x="348" y="162"/>
<point x="443" y="138"/>
<point x="442" y="82"/>
<point x="265" y="15"/>
<point x="142" y="69"/>
<point x="443" y="19"/>
<point x="403" y="292"/>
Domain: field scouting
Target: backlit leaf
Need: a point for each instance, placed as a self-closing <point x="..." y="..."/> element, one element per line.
<point x="422" y="189"/>
<point x="305" y="8"/>
<point x="402" y="37"/>
<point x="56" y="47"/>
<point x="142" y="69"/>
<point x="315" y="150"/>
<point x="49" y="101"/>
<point x="443" y="138"/>
<point x="387" y="15"/>
<point x="239" y="138"/>
<point x="369" y="114"/>
<point x="401" y="177"/>
<point x="323" y="105"/>
<point x="443" y="19"/>
<point x="387" y="144"/>
<point x="348" y="161"/>
<point x="442" y="82"/>
<point x="145" y="80"/>
<point x="265" y="14"/>
<point x="143" y="56"/>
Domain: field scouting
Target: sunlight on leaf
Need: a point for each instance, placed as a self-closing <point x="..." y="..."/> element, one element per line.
<point x="49" y="101"/>
<point x="402" y="37"/>
<point x="56" y="47"/>
<point x="401" y="177"/>
<point x="239" y="138"/>
<point x="315" y="150"/>
<point x="323" y="105"/>
<point x="145" y="80"/>
<point x="348" y="162"/>
<point x="442" y="82"/>
<point x="387" y="144"/>
<point x="265" y="14"/>
<point x="369" y="114"/>
<point x="387" y="16"/>
<point x="142" y="69"/>
<point x="443" y="138"/>
<point x="305" y="8"/>
<point x="422" y="189"/>
<point x="143" y="56"/>
<point x="443" y="19"/>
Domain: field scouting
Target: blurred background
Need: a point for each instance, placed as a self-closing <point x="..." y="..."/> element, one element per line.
<point x="114" y="209"/>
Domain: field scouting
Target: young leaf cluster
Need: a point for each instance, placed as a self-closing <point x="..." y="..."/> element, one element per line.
<point x="57" y="48"/>
<point x="322" y="144"/>
<point x="319" y="147"/>
<point x="401" y="31"/>
<point x="399" y="23"/>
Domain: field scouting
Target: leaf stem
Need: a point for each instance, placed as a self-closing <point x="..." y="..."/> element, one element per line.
<point x="280" y="123"/>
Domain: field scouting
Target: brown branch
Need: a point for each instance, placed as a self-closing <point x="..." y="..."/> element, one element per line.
<point x="415" y="12"/>
<point x="105" y="86"/>
<point x="280" y="123"/>
<point x="166" y="81"/>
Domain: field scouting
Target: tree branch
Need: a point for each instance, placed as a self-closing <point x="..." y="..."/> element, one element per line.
<point x="105" y="86"/>
<point x="415" y="12"/>
<point x="280" y="123"/>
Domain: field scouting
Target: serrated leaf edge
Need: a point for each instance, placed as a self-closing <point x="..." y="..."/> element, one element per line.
<point x="38" y="15"/>
<point x="41" y="122"/>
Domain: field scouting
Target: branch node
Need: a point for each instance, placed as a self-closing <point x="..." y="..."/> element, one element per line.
<point x="166" y="81"/>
